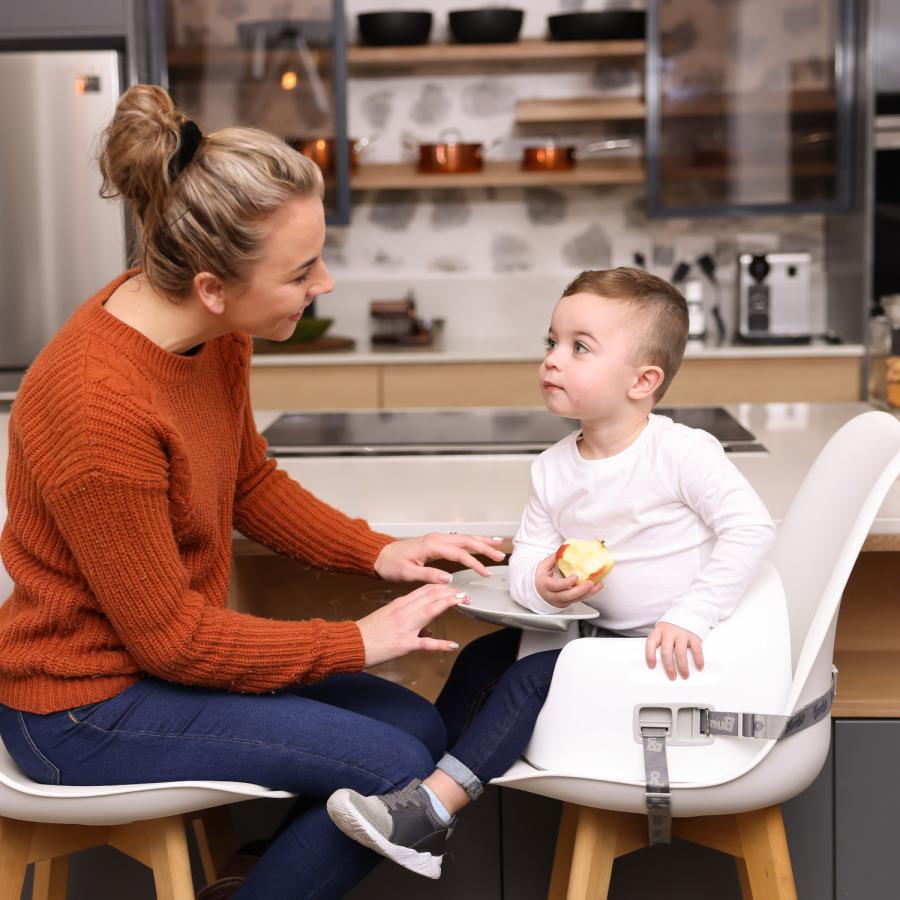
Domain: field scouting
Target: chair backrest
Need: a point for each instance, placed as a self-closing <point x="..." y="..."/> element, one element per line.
<point x="825" y="527"/>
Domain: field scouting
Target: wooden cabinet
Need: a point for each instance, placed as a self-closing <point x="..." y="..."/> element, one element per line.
<point x="315" y="387"/>
<point x="825" y="379"/>
<point x="749" y="115"/>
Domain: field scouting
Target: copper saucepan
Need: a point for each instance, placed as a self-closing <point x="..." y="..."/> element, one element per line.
<point x="322" y="151"/>
<point x="550" y="156"/>
<point x="449" y="155"/>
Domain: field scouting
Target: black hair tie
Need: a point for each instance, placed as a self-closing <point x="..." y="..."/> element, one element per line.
<point x="191" y="135"/>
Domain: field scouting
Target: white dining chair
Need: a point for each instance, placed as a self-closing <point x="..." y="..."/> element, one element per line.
<point x="772" y="657"/>
<point x="44" y="824"/>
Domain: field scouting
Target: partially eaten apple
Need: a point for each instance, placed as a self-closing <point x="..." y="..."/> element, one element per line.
<point x="589" y="560"/>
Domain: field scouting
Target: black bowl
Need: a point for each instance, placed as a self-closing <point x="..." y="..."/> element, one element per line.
<point x="394" y="29"/>
<point x="498" y="25"/>
<point x="609" y="25"/>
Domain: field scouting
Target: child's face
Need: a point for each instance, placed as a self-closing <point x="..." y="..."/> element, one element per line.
<point x="588" y="370"/>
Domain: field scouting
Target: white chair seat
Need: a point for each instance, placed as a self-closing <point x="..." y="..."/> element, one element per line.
<point x="26" y="800"/>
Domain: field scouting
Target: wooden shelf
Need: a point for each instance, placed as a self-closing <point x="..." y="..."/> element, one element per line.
<point x="227" y="60"/>
<point x="528" y="50"/>
<point x="507" y="173"/>
<point x="750" y="104"/>
<point x="589" y="109"/>
<point x="524" y="51"/>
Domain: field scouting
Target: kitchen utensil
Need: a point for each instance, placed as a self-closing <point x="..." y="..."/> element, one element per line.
<point x="490" y="601"/>
<point x="491" y="25"/>
<point x="450" y="156"/>
<point x="322" y="151"/>
<point x="606" y="25"/>
<point x="394" y="28"/>
<point x="550" y="156"/>
<point x="707" y="264"/>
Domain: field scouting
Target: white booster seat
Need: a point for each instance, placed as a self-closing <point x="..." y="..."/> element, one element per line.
<point x="749" y="731"/>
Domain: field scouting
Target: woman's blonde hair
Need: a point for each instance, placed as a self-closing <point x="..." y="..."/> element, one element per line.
<point x="210" y="217"/>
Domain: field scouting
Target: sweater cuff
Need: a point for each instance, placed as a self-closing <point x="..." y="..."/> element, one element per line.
<point x="344" y="651"/>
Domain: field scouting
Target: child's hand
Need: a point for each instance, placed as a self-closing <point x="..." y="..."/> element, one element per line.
<point x="673" y="643"/>
<point x="559" y="591"/>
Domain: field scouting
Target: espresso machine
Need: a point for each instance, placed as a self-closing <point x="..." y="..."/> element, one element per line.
<point x="774" y="303"/>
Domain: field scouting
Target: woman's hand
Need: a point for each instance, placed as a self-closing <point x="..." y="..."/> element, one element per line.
<point x="406" y="560"/>
<point x="397" y="628"/>
<point x="558" y="591"/>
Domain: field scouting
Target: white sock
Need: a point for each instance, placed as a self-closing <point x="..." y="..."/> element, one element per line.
<point x="436" y="805"/>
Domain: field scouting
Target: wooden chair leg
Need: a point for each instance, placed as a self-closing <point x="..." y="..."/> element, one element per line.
<point x="214" y="831"/>
<point x="160" y="844"/>
<point x="765" y="851"/>
<point x="743" y="879"/>
<point x="51" y="879"/>
<point x="562" y="857"/>
<point x="15" y="841"/>
<point x="596" y="838"/>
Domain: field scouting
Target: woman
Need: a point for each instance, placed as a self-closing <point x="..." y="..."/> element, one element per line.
<point x="133" y="453"/>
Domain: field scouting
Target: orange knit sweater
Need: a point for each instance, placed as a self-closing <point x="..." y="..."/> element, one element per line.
<point x="128" y="468"/>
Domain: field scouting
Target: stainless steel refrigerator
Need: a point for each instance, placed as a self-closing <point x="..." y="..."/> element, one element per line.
<point x="59" y="241"/>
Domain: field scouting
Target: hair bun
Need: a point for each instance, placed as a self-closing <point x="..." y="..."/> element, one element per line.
<point x="136" y="149"/>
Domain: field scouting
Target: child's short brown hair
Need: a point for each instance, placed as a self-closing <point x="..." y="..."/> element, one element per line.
<point x="662" y="310"/>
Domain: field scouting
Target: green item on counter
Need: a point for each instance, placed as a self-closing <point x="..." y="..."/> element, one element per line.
<point x="309" y="330"/>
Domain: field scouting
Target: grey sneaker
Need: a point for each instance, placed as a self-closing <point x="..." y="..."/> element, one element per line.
<point x="401" y="825"/>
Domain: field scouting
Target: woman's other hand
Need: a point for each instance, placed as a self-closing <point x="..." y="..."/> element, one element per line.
<point x="406" y="560"/>
<point x="400" y="626"/>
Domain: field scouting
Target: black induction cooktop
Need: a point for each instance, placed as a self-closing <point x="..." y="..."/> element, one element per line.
<point x="460" y="431"/>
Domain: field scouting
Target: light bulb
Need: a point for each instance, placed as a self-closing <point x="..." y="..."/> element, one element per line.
<point x="289" y="80"/>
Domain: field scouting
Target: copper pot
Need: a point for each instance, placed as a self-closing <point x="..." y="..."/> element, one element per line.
<point x="553" y="157"/>
<point x="548" y="158"/>
<point x="451" y="156"/>
<point x="322" y="151"/>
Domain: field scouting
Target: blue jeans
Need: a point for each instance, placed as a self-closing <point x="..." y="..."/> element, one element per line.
<point x="352" y="730"/>
<point x="490" y="705"/>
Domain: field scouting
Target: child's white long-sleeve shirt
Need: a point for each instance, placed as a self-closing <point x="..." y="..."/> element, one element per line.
<point x="686" y="529"/>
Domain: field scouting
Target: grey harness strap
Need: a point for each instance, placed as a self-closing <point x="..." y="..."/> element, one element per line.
<point x="715" y="722"/>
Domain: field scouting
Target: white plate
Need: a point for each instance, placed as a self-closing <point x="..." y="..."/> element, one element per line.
<point x="491" y="603"/>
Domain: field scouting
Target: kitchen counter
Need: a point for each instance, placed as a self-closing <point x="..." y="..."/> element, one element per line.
<point x="491" y="350"/>
<point x="485" y="493"/>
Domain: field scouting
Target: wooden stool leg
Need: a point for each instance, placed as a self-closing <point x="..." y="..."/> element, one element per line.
<point x="765" y="851"/>
<point x="596" y="837"/>
<point x="214" y="830"/>
<point x="743" y="879"/>
<point x="160" y="844"/>
<point x="51" y="879"/>
<point x="15" y="840"/>
<point x="562" y="857"/>
<point x="170" y="861"/>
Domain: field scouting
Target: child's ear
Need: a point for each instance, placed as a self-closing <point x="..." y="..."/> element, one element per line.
<point x="646" y="382"/>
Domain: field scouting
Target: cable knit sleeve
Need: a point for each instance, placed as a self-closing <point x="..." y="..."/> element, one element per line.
<point x="274" y="509"/>
<point x="120" y="534"/>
